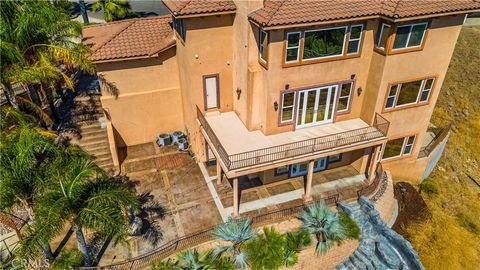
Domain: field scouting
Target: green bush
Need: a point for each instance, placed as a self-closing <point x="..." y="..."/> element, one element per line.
<point x="272" y="250"/>
<point x="67" y="259"/>
<point x="351" y="228"/>
<point x="429" y="186"/>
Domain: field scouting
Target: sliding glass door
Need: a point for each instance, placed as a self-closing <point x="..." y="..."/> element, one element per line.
<point x="316" y="106"/>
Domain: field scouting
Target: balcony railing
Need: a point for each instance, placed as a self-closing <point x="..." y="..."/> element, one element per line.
<point x="379" y="129"/>
<point x="439" y="137"/>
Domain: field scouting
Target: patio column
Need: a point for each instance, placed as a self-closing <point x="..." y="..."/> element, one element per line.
<point x="236" y="213"/>
<point x="307" y="197"/>
<point x="219" y="174"/>
<point x="373" y="167"/>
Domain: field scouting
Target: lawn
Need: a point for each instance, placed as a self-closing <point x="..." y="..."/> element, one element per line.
<point x="450" y="239"/>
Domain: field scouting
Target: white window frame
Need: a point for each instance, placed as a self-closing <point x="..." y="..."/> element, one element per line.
<point x="325" y="29"/>
<point x="381" y="34"/>
<point x="399" y="90"/>
<point x="293" y="47"/>
<point x="355" y="39"/>
<point x="349" y="97"/>
<point x="409" y="35"/>
<point x="394" y="96"/>
<point x="426" y="90"/>
<point x="292" y="106"/>
<point x="404" y="146"/>
<point x="260" y="45"/>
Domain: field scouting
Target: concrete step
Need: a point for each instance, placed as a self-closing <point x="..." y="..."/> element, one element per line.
<point x="93" y="132"/>
<point x="101" y="156"/>
<point x="92" y="138"/>
<point x="104" y="162"/>
<point x="90" y="127"/>
<point x="95" y="144"/>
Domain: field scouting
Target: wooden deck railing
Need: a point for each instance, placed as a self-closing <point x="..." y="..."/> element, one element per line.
<point x="379" y="129"/>
<point x="439" y="137"/>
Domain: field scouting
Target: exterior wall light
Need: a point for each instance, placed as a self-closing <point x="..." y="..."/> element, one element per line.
<point x="359" y="90"/>
<point x="352" y="77"/>
<point x="239" y="92"/>
<point x="275" y="105"/>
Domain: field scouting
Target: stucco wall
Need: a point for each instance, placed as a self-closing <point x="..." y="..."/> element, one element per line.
<point x="149" y="100"/>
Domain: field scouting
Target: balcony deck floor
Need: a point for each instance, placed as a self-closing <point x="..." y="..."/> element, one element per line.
<point x="236" y="138"/>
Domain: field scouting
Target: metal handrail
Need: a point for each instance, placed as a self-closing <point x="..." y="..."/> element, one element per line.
<point x="308" y="146"/>
<point x="425" y="151"/>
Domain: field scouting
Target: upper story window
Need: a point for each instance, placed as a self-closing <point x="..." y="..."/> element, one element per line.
<point x="324" y="44"/>
<point x="288" y="106"/>
<point x="179" y="26"/>
<point x="383" y="34"/>
<point x="344" y="97"/>
<point x="409" y="36"/>
<point x="409" y="93"/>
<point x="263" y="46"/>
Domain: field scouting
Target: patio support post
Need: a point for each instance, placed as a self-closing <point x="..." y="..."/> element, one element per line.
<point x="307" y="197"/>
<point x="236" y="213"/>
<point x="219" y="174"/>
<point x="373" y="167"/>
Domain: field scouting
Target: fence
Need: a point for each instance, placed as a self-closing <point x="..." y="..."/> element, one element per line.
<point x="379" y="129"/>
<point x="439" y="136"/>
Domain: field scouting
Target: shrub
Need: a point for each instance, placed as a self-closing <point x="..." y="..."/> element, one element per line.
<point x="67" y="259"/>
<point x="351" y="228"/>
<point x="272" y="250"/>
<point x="429" y="186"/>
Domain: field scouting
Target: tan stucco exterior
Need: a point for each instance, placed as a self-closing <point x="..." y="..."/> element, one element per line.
<point x="162" y="94"/>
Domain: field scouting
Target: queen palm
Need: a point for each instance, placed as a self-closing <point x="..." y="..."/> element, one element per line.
<point x="112" y="9"/>
<point x="320" y="221"/>
<point x="79" y="194"/>
<point x="37" y="39"/>
<point x="237" y="232"/>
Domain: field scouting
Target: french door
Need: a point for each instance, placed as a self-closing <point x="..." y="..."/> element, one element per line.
<point x="316" y="106"/>
<point x="302" y="167"/>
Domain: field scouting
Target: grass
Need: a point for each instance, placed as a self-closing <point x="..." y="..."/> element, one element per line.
<point x="450" y="239"/>
<point x="351" y="227"/>
<point x="429" y="186"/>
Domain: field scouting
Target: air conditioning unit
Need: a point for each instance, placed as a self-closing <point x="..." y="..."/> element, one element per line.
<point x="176" y="136"/>
<point x="182" y="144"/>
<point x="164" y="139"/>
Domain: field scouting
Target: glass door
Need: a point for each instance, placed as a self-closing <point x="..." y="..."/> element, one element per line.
<point x="316" y="106"/>
<point x="302" y="167"/>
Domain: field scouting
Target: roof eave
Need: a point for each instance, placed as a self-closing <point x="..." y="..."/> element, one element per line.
<point x="203" y="14"/>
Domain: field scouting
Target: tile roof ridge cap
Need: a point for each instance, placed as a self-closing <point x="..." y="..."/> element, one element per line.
<point x="273" y="14"/>
<point x="126" y="21"/>
<point x="184" y="6"/>
<point x="394" y="14"/>
<point x="127" y="25"/>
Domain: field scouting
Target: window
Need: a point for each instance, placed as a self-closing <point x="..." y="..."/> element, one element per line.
<point x="179" y="27"/>
<point x="355" y="39"/>
<point x="282" y="170"/>
<point x="302" y="167"/>
<point x="399" y="147"/>
<point x="344" y="97"/>
<point x="409" y="36"/>
<point x="409" y="93"/>
<point x="293" y="46"/>
<point x="288" y="104"/>
<point x="334" y="158"/>
<point x="263" y="46"/>
<point x="383" y="35"/>
<point x="426" y="90"/>
<point x="324" y="43"/>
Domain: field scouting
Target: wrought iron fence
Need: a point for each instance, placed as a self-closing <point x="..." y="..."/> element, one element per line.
<point x="379" y="175"/>
<point x="379" y="129"/>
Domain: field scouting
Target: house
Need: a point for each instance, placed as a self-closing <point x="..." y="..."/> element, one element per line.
<point x="281" y="89"/>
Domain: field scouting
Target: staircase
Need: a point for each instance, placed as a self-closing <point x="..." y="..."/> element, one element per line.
<point x="87" y="113"/>
<point x="379" y="247"/>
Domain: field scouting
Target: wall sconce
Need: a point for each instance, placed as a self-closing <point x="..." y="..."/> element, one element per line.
<point x="353" y="76"/>
<point x="275" y="105"/>
<point x="239" y="92"/>
<point x="359" y="90"/>
<point x="287" y="86"/>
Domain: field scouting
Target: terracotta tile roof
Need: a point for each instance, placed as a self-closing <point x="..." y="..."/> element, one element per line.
<point x="285" y="12"/>
<point x="129" y="38"/>
<point x="198" y="7"/>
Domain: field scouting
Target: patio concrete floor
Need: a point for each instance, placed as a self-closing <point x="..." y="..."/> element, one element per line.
<point x="175" y="181"/>
<point x="257" y="199"/>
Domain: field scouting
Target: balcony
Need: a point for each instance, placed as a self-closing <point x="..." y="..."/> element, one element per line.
<point x="241" y="151"/>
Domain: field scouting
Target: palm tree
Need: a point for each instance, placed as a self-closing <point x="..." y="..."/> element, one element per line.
<point x="237" y="232"/>
<point x="83" y="11"/>
<point x="195" y="260"/>
<point x="38" y="39"/>
<point x="80" y="194"/>
<point x="24" y="152"/>
<point x="113" y="9"/>
<point x="320" y="221"/>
